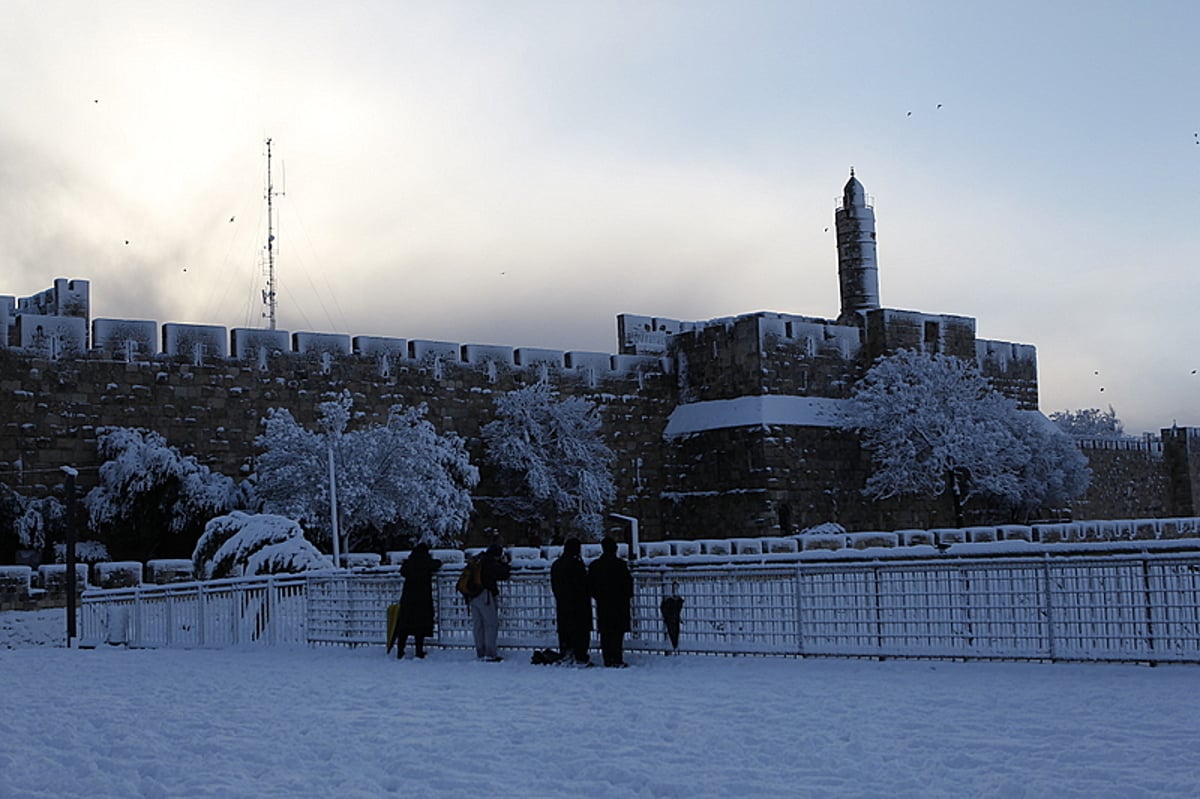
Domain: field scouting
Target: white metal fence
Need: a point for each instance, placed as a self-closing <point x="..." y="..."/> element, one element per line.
<point x="1130" y="607"/>
<point x="221" y="613"/>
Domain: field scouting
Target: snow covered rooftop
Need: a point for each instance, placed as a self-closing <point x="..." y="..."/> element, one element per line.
<point x="762" y="411"/>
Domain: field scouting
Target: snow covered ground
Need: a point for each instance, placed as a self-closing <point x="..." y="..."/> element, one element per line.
<point x="354" y="723"/>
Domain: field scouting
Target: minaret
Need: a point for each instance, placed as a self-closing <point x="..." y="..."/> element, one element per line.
<point x="858" y="272"/>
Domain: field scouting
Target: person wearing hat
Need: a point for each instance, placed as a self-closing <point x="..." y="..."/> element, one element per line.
<point x="485" y="616"/>
<point x="611" y="584"/>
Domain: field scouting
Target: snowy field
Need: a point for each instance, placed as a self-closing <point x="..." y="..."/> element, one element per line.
<point x="354" y="723"/>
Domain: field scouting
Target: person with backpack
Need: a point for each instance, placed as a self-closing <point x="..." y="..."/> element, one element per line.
<point x="483" y="600"/>
<point x="611" y="585"/>
<point x="572" y="602"/>
<point x="415" y="616"/>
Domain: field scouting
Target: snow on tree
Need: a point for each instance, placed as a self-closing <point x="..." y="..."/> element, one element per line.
<point x="36" y="525"/>
<point x="399" y="480"/>
<point x="30" y="523"/>
<point x="552" y="457"/>
<point x="241" y="544"/>
<point x="1057" y="472"/>
<point x="1089" y="423"/>
<point x="933" y="425"/>
<point x="150" y="500"/>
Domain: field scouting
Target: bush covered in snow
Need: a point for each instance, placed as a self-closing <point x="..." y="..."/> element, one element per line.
<point x="242" y="544"/>
<point x="150" y="500"/>
<point x="824" y="528"/>
<point x="85" y="552"/>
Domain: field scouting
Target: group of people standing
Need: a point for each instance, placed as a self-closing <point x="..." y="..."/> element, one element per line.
<point x="607" y="580"/>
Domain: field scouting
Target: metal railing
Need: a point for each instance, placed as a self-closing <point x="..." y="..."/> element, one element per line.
<point x="250" y="611"/>
<point x="1119" y="607"/>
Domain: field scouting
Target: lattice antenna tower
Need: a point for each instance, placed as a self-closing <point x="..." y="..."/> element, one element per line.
<point x="269" y="294"/>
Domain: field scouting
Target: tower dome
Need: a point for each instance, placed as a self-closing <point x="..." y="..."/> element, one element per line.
<point x="854" y="194"/>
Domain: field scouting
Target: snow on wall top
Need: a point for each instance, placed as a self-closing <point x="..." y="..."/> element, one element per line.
<point x="646" y="335"/>
<point x="246" y="342"/>
<point x="763" y="411"/>
<point x="51" y="336"/>
<point x="1003" y="353"/>
<point x="125" y="337"/>
<point x="334" y="343"/>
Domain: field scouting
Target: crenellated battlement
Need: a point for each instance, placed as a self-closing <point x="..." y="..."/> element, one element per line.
<point x="724" y="427"/>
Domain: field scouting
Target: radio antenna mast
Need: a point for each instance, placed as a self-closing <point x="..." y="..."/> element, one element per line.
<point x="269" y="293"/>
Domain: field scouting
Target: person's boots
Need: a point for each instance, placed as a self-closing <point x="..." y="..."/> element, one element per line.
<point x="420" y="648"/>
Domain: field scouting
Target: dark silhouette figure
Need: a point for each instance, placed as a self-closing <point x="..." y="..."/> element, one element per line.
<point x="611" y="585"/>
<point x="572" y="602"/>
<point x="415" y="616"/>
<point x="484" y="606"/>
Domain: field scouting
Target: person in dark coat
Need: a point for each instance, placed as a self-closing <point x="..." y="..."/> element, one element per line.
<point x="485" y="614"/>
<point x="572" y="602"/>
<point x="415" y="616"/>
<point x="611" y="585"/>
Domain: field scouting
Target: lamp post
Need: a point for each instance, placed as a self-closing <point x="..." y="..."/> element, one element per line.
<point x="333" y="509"/>
<point x="633" y="533"/>
<point x="69" y="490"/>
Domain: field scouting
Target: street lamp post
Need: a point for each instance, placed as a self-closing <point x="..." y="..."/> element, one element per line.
<point x="633" y="533"/>
<point x="71" y="536"/>
<point x="333" y="510"/>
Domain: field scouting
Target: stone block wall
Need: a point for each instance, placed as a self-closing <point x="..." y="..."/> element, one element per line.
<point x="1130" y="479"/>
<point x="1181" y="454"/>
<point x="54" y="409"/>
<point x="889" y="330"/>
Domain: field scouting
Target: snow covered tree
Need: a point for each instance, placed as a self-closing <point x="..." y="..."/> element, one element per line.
<point x="398" y="481"/>
<point x="933" y="425"/>
<point x="1089" y="423"/>
<point x="29" y="524"/>
<point x="242" y="544"/>
<point x="43" y="522"/>
<point x="1056" y="473"/>
<point x="150" y="500"/>
<point x="552" y="458"/>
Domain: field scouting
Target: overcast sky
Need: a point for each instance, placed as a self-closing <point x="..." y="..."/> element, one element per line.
<point x="521" y="172"/>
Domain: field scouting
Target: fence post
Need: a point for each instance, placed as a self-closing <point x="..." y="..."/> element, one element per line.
<point x="1149" y="604"/>
<point x="269" y="609"/>
<point x="1048" y="605"/>
<point x="202" y="613"/>
<point x="878" y="613"/>
<point x="800" y="649"/>
<point x="236" y="605"/>
<point x="137" y="616"/>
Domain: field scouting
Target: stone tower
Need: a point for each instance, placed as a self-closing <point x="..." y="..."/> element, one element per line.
<point x="858" y="272"/>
